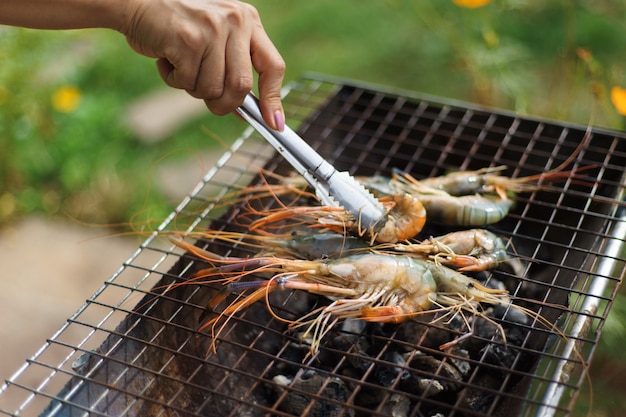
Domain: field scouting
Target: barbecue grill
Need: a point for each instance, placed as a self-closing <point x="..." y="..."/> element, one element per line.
<point x="134" y="348"/>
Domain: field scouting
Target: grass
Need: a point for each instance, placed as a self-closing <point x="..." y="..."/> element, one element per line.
<point x="554" y="59"/>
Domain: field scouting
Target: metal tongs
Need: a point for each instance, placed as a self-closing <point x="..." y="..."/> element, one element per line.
<point x="332" y="187"/>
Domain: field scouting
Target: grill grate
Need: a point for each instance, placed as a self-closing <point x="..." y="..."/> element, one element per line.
<point x="127" y="353"/>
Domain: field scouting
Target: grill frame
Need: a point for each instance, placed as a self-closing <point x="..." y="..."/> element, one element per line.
<point x="118" y="321"/>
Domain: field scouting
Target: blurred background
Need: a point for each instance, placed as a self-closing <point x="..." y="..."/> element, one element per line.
<point x="92" y="144"/>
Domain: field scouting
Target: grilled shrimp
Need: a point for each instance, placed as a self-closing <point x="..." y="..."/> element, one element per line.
<point x="475" y="182"/>
<point x="468" y="210"/>
<point x="442" y="207"/>
<point x="406" y="217"/>
<point x="483" y="181"/>
<point x="468" y="250"/>
<point x="373" y="287"/>
<point x="293" y="244"/>
<point x="465" y="198"/>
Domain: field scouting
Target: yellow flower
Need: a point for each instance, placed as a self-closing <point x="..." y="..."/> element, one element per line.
<point x="471" y="4"/>
<point x="66" y="99"/>
<point x="618" y="97"/>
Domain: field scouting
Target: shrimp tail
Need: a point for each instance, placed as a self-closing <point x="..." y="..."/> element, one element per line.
<point x="468" y="263"/>
<point x="266" y="287"/>
<point x="385" y="314"/>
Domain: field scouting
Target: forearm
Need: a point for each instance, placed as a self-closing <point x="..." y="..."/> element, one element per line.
<point x="65" y="14"/>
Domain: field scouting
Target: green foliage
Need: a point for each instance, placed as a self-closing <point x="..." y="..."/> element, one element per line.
<point x="513" y="54"/>
<point x="84" y="163"/>
<point x="554" y="59"/>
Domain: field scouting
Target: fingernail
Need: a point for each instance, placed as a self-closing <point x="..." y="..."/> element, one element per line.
<point x="279" y="119"/>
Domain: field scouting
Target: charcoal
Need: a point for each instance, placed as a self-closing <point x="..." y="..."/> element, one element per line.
<point x="304" y="389"/>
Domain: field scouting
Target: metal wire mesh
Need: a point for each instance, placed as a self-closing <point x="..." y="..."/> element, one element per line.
<point x="134" y="349"/>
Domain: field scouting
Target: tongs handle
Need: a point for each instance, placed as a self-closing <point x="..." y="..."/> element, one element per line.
<point x="302" y="157"/>
<point x="332" y="187"/>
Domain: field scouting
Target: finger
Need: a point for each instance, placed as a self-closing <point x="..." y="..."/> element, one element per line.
<point x="271" y="69"/>
<point x="211" y="71"/>
<point x="165" y="69"/>
<point x="181" y="75"/>
<point x="181" y="58"/>
<point x="238" y="79"/>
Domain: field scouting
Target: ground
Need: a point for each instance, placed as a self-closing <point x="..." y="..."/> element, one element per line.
<point x="49" y="267"/>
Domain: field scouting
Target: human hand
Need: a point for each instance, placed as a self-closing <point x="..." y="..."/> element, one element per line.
<point x="209" y="48"/>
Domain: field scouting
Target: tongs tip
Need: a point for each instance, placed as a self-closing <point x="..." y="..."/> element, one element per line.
<point x="330" y="185"/>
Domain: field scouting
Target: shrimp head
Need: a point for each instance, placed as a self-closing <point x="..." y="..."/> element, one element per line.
<point x="406" y="218"/>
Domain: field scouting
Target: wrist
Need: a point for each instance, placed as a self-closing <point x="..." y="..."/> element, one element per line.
<point x="113" y="14"/>
<point x="122" y="13"/>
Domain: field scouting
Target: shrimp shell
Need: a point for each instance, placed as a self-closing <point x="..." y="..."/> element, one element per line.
<point x="375" y="287"/>
<point x="468" y="250"/>
<point x="406" y="217"/>
<point x="469" y="210"/>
